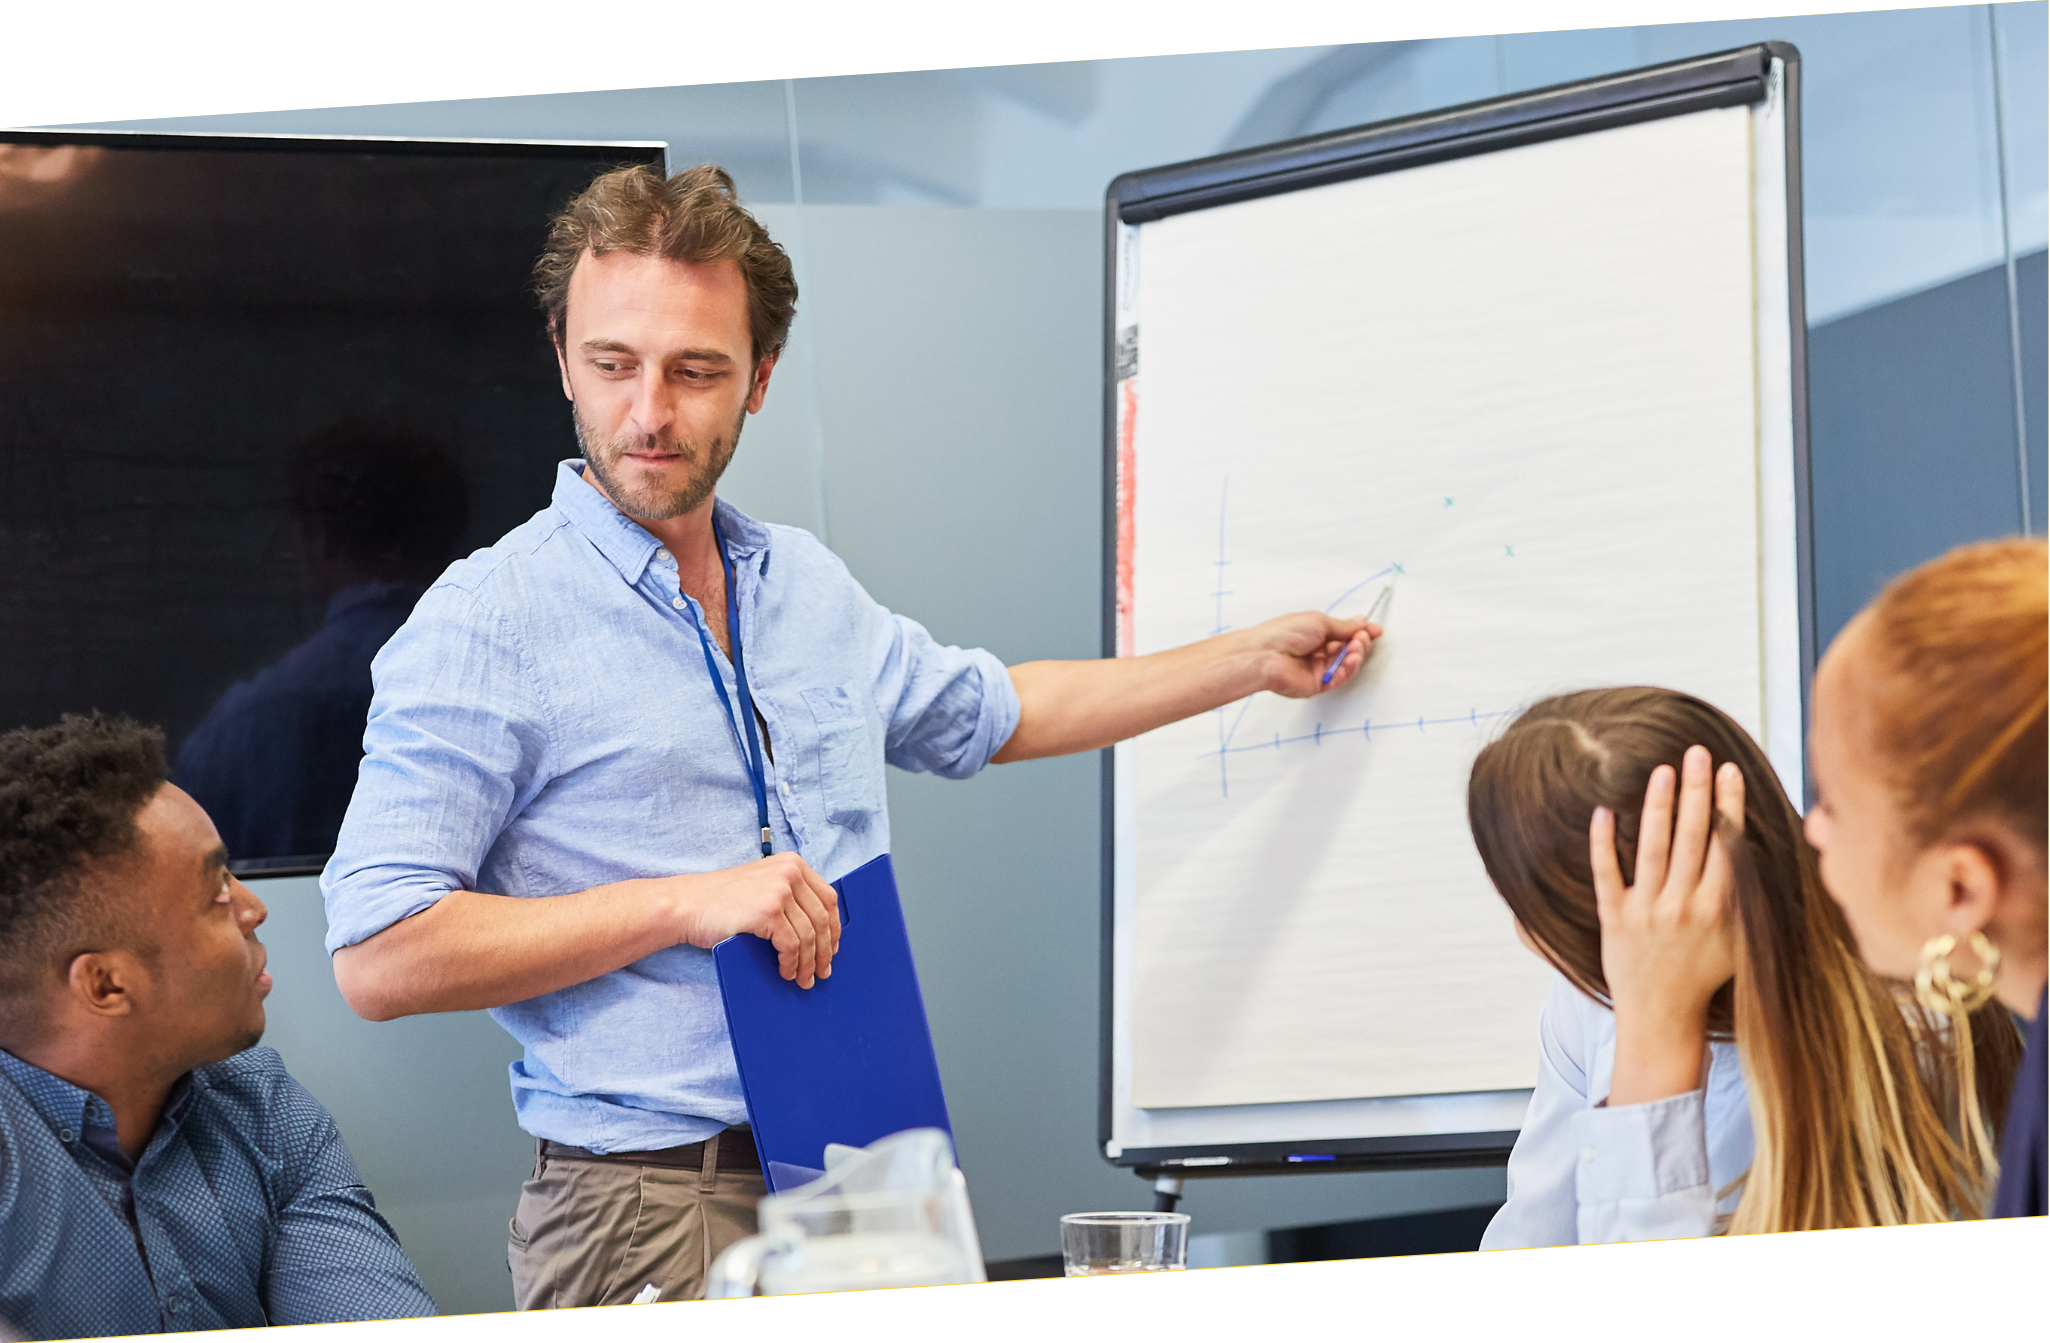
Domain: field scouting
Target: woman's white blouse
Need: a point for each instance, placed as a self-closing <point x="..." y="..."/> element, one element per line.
<point x="1584" y="1172"/>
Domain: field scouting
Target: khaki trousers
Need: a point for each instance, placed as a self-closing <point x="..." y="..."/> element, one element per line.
<point x="596" y="1233"/>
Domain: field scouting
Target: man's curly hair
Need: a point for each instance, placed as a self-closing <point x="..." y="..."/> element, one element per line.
<point x="69" y="796"/>
<point x="695" y="216"/>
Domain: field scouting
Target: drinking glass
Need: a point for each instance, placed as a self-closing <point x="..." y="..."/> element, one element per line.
<point x="1124" y="1242"/>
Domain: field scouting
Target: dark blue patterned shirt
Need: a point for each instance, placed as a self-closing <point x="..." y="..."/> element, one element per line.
<point x="244" y="1210"/>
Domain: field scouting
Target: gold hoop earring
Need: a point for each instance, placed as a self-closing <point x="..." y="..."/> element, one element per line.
<point x="1939" y="991"/>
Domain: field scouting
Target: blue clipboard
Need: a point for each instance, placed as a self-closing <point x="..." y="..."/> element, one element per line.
<point x="849" y="1060"/>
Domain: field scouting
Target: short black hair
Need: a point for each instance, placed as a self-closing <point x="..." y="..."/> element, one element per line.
<point x="69" y="796"/>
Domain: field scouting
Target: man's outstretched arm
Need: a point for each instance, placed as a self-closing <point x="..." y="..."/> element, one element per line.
<point x="1065" y="707"/>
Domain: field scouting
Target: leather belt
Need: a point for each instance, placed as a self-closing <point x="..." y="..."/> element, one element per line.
<point x="736" y="1152"/>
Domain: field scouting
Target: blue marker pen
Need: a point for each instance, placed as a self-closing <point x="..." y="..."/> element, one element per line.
<point x="1374" y="612"/>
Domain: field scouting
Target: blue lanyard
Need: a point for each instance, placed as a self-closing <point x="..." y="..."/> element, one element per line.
<point x="744" y="726"/>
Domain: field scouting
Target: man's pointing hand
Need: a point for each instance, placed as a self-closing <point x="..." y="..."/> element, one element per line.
<point x="1303" y="647"/>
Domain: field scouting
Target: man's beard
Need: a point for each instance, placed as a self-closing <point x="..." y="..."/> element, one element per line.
<point x="705" y="463"/>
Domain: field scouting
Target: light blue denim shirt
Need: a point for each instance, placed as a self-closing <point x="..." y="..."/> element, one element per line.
<point x="1584" y="1171"/>
<point x="544" y="723"/>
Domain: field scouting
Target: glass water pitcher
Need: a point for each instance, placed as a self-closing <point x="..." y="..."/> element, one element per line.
<point x="892" y="1214"/>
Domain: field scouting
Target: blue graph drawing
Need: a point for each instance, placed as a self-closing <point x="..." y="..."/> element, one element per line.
<point x="1390" y="571"/>
<point x="1227" y="735"/>
<point x="1366" y="730"/>
<point x="1228" y="746"/>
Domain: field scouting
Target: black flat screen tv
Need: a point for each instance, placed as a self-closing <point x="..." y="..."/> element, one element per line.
<point x="255" y="394"/>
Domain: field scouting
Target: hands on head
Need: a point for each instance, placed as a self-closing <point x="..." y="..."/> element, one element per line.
<point x="1668" y="939"/>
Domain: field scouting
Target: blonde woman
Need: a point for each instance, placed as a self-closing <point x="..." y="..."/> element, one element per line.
<point x="1929" y="752"/>
<point x="1714" y="1054"/>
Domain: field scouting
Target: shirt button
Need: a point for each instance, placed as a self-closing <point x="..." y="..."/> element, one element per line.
<point x="676" y="602"/>
<point x="174" y="1303"/>
<point x="785" y="787"/>
<point x="1587" y="1154"/>
<point x="662" y="555"/>
<point x="66" y="1135"/>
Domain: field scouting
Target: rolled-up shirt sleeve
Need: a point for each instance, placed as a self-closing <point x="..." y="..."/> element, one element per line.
<point x="1643" y="1172"/>
<point x="456" y="740"/>
<point x="1585" y="1172"/>
<point x="946" y="710"/>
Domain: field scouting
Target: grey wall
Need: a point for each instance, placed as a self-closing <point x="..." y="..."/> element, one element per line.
<point x="1913" y="431"/>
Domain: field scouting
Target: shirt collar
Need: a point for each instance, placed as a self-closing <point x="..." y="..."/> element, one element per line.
<point x="628" y="545"/>
<point x="66" y="1108"/>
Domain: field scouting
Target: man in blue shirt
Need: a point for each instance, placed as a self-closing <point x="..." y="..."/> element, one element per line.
<point x="644" y="722"/>
<point x="158" y="1172"/>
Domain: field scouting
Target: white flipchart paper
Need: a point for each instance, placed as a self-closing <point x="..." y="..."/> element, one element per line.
<point x="1526" y="381"/>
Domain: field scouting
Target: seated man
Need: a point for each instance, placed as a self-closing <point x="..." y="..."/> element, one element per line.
<point x="157" y="1171"/>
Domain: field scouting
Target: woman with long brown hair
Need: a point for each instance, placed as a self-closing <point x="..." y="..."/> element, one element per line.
<point x="1929" y="754"/>
<point x="1714" y="1055"/>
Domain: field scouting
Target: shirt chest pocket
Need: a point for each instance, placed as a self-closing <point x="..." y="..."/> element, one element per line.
<point x="849" y="756"/>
